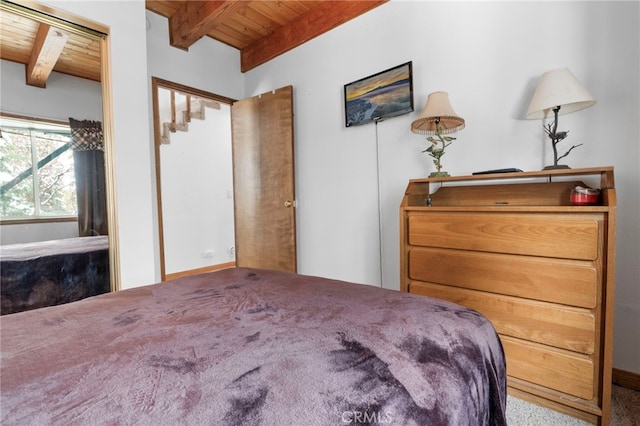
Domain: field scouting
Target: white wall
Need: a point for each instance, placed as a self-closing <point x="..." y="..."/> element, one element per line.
<point x="82" y="97"/>
<point x="197" y="193"/>
<point x="488" y="56"/>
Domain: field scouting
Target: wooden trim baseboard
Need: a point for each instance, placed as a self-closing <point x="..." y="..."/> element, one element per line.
<point x="200" y="270"/>
<point x="626" y="379"/>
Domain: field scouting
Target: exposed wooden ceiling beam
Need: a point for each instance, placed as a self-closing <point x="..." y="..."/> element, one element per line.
<point x="328" y="15"/>
<point x="196" y="18"/>
<point x="47" y="48"/>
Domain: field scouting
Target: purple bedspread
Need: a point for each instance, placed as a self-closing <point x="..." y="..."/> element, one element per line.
<point x="252" y="347"/>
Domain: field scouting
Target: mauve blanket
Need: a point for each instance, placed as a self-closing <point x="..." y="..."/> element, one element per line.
<point x="252" y="347"/>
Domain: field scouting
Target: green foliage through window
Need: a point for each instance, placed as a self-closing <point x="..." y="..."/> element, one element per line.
<point x="36" y="170"/>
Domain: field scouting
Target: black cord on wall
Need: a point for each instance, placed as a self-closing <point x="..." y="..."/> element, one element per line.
<point x="380" y="245"/>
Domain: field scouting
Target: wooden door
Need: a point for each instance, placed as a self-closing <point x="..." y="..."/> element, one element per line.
<point x="263" y="173"/>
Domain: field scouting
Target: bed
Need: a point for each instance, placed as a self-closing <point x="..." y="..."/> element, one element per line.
<point x="252" y="347"/>
<point x="47" y="273"/>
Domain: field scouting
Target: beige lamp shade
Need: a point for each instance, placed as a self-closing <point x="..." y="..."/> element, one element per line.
<point x="559" y="88"/>
<point x="437" y="113"/>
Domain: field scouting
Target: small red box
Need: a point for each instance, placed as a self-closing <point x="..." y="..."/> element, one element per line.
<point x="584" y="196"/>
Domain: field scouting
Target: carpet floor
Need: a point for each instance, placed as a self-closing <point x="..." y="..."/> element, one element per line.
<point x="625" y="411"/>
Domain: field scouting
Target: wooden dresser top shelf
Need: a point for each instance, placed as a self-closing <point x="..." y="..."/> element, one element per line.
<point x="547" y="190"/>
<point x="606" y="176"/>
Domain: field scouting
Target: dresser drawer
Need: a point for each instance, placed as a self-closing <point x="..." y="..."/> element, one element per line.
<point x="565" y="236"/>
<point x="573" y="282"/>
<point x="545" y="323"/>
<point x="554" y="369"/>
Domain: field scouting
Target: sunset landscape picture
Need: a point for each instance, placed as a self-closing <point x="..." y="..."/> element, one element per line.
<point x="386" y="94"/>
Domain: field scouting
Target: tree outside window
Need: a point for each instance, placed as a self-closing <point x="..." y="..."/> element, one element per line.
<point x="36" y="170"/>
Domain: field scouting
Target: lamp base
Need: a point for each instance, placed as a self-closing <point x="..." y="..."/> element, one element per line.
<point x="438" y="174"/>
<point x="558" y="167"/>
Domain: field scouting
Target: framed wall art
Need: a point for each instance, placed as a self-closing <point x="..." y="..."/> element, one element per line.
<point x="383" y="95"/>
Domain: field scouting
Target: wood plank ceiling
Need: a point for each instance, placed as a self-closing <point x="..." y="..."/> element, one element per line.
<point x="42" y="48"/>
<point x="260" y="29"/>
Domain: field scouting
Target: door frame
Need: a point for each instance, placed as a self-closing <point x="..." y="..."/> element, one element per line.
<point x="157" y="83"/>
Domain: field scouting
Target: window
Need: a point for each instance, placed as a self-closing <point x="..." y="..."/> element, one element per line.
<point x="37" y="177"/>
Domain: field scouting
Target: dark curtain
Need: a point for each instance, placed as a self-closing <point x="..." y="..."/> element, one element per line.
<point x="87" y="143"/>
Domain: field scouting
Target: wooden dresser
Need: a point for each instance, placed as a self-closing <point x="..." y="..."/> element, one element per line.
<point x="513" y="247"/>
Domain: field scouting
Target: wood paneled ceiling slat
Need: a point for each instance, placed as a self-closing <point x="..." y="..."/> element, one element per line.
<point x="233" y="37"/>
<point x="300" y="7"/>
<point x="260" y="29"/>
<point x="80" y="56"/>
<point x="272" y="13"/>
<point x="17" y="35"/>
<point x="243" y="29"/>
<point x="284" y="11"/>
<point x="253" y="23"/>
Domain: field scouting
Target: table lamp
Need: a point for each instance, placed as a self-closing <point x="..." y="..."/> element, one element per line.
<point x="438" y="119"/>
<point x="558" y="91"/>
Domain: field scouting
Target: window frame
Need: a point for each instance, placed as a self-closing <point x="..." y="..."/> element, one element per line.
<point x="36" y="217"/>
